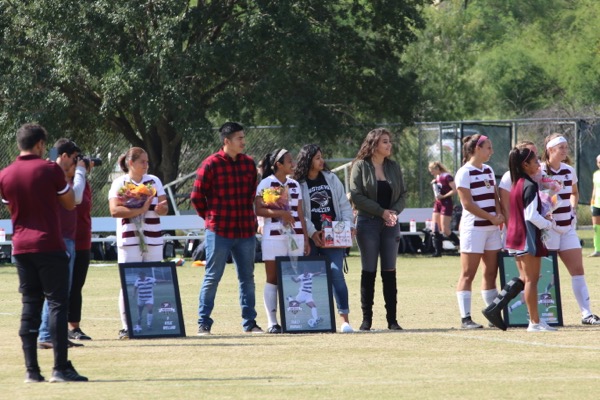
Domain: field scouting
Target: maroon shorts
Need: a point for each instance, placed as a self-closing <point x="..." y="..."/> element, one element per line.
<point x="443" y="207"/>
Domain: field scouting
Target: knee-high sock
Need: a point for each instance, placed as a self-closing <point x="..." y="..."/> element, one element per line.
<point x="149" y="318"/>
<point x="489" y="296"/>
<point x="314" y="312"/>
<point x="270" y="298"/>
<point x="464" y="303"/>
<point x="582" y="295"/>
<point x="122" y="310"/>
<point x="597" y="238"/>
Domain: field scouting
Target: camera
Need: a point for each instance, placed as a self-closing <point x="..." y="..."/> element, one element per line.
<point x="97" y="161"/>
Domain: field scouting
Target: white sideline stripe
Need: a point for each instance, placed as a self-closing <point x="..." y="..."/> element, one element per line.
<point x="520" y="342"/>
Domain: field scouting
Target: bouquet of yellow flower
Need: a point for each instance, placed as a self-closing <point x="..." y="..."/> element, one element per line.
<point x="134" y="196"/>
<point x="277" y="198"/>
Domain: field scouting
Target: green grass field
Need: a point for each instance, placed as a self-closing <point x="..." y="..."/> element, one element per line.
<point x="430" y="359"/>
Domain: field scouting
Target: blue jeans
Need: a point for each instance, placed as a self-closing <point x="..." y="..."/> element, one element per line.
<point x="336" y="261"/>
<point x="44" y="334"/>
<point x="217" y="251"/>
<point x="375" y="240"/>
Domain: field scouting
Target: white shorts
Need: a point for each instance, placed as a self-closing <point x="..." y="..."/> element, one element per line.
<point x="472" y="241"/>
<point x="304" y="297"/>
<point x="565" y="241"/>
<point x="276" y="246"/>
<point x="127" y="254"/>
<point x="145" y="302"/>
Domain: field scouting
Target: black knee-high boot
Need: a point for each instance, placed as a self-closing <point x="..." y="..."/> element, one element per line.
<point x="437" y="244"/>
<point x="367" y="292"/>
<point x="390" y="295"/>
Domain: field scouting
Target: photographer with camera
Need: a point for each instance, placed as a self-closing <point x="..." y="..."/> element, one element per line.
<point x="66" y="154"/>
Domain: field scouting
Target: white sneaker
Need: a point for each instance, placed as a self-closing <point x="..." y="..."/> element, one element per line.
<point x="346" y="328"/>
<point x="542" y="326"/>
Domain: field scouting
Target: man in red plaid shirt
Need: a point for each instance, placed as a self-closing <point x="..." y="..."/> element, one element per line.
<point x="223" y="194"/>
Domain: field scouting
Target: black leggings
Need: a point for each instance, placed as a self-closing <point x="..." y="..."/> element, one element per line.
<point x="80" y="270"/>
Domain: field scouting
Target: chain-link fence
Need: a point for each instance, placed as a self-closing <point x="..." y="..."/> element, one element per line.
<point x="414" y="148"/>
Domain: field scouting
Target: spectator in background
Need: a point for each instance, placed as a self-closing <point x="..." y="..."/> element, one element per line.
<point x="34" y="190"/>
<point x="444" y="189"/>
<point x="480" y="238"/>
<point x="135" y="244"/>
<point x="378" y="193"/>
<point x="83" y="247"/>
<point x="324" y="195"/>
<point x="595" y="205"/>
<point x="68" y="160"/>
<point x="223" y="194"/>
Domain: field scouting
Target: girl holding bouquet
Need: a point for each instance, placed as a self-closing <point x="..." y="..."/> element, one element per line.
<point x="137" y="200"/>
<point x="279" y="202"/>
<point x="324" y="195"/>
<point x="524" y="238"/>
<point x="563" y="238"/>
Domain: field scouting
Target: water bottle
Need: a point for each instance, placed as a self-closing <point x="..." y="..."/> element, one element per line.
<point x="413" y="225"/>
<point x="428" y="224"/>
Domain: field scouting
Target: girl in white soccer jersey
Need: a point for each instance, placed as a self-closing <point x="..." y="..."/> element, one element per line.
<point x="479" y="229"/>
<point x="284" y="230"/>
<point x="563" y="238"/>
<point x="135" y="165"/>
<point x="305" y="292"/>
<point x="143" y="289"/>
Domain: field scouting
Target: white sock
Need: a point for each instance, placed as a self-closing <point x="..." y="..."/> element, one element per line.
<point x="314" y="313"/>
<point x="122" y="310"/>
<point x="149" y="318"/>
<point x="489" y="296"/>
<point x="580" y="290"/>
<point x="464" y="303"/>
<point x="270" y="298"/>
<point x="516" y="304"/>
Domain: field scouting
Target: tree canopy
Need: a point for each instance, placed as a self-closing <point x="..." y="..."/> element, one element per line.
<point x="157" y="72"/>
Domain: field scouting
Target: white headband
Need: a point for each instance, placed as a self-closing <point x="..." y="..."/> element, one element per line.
<point x="279" y="155"/>
<point x="556" y="141"/>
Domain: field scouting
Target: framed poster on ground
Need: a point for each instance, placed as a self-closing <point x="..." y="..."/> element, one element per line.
<point x="305" y="299"/>
<point x="549" y="302"/>
<point x="152" y="301"/>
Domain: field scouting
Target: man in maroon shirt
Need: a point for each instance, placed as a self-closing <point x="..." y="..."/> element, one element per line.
<point x="34" y="189"/>
<point x="223" y="194"/>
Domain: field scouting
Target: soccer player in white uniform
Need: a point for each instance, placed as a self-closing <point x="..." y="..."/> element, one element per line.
<point x="143" y="289"/>
<point x="305" y="292"/>
<point x="480" y="238"/>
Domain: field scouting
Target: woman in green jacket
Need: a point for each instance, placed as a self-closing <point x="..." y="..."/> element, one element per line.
<point x="378" y="193"/>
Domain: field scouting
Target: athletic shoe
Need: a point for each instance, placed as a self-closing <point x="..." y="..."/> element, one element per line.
<point x="253" y="328"/>
<point x="542" y="326"/>
<point x="394" y="326"/>
<point x="67" y="375"/>
<point x="467" y="323"/>
<point x="49" y="345"/>
<point x="495" y="318"/>
<point x="591" y="319"/>
<point x="34" y="377"/>
<point x="123" y="334"/>
<point x="346" y="328"/>
<point x="203" y="330"/>
<point x="77" y="334"/>
<point x="595" y="254"/>
<point x="274" y="329"/>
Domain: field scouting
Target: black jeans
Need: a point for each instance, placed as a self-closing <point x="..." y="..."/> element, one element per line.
<point x="80" y="270"/>
<point x="44" y="275"/>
